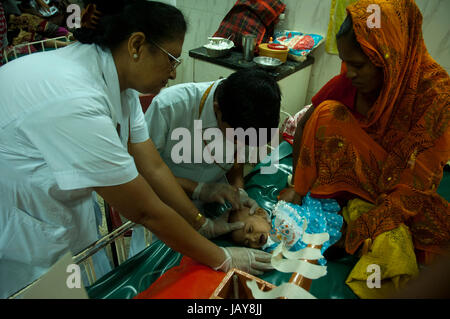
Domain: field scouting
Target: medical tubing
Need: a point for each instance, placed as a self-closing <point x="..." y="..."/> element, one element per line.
<point x="197" y="190"/>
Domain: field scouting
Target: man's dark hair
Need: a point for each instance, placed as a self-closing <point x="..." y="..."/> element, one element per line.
<point x="250" y="98"/>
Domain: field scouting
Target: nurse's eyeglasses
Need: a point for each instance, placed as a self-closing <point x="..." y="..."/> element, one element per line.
<point x="173" y="60"/>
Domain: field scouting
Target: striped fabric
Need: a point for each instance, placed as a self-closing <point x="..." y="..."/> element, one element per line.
<point x="251" y="16"/>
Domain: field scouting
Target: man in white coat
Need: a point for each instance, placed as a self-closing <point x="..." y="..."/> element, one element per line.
<point x="179" y="119"/>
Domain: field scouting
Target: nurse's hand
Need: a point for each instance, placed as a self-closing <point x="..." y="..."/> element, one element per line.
<point x="219" y="226"/>
<point x="251" y="203"/>
<point x="217" y="193"/>
<point x="252" y="261"/>
<point x="247" y="201"/>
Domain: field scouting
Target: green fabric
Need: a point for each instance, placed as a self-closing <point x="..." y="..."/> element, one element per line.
<point x="136" y="274"/>
<point x="338" y="13"/>
<point x="444" y="186"/>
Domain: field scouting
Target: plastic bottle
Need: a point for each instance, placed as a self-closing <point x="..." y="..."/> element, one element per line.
<point x="281" y="25"/>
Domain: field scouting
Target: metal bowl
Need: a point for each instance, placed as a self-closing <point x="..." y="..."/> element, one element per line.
<point x="218" y="47"/>
<point x="267" y="63"/>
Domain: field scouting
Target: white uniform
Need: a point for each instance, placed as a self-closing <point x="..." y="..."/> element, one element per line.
<point x="60" y="114"/>
<point x="178" y="107"/>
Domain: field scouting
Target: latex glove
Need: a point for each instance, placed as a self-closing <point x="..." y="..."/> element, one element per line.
<point x="217" y="192"/>
<point x="249" y="202"/>
<point x="219" y="226"/>
<point x="252" y="261"/>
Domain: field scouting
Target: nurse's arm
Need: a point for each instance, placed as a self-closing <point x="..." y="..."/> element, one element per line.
<point x="158" y="175"/>
<point x="137" y="201"/>
<point x="187" y="185"/>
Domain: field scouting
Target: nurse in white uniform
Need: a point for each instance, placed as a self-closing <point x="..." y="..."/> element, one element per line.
<point x="71" y="124"/>
<point x="249" y="98"/>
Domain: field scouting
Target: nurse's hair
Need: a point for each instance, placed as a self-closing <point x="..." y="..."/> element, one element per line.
<point x="250" y="98"/>
<point x="120" y="18"/>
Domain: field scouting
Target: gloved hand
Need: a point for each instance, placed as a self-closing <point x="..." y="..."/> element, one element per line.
<point x="217" y="192"/>
<point x="252" y="261"/>
<point x="219" y="226"/>
<point x="249" y="202"/>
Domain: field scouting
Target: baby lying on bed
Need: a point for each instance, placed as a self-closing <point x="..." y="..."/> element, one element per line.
<point x="289" y="221"/>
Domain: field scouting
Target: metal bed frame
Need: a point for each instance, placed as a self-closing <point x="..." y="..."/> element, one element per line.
<point x="14" y="50"/>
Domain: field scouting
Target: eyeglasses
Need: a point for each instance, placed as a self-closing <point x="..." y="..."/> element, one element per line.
<point x="173" y="60"/>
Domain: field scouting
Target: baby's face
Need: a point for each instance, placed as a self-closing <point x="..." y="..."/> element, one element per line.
<point x="256" y="230"/>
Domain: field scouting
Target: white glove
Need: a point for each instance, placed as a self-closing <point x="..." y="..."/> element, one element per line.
<point x="249" y="202"/>
<point x="217" y="192"/>
<point x="219" y="226"/>
<point x="252" y="261"/>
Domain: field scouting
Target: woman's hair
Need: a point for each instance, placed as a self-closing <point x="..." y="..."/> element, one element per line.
<point x="120" y="18"/>
<point x="346" y="29"/>
<point x="250" y="98"/>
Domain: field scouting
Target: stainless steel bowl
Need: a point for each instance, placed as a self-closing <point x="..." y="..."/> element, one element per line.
<point x="267" y="63"/>
<point x="213" y="52"/>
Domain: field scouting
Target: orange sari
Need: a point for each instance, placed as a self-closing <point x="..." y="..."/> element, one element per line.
<point x="394" y="158"/>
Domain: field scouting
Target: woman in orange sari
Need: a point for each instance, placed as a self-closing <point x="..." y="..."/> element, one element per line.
<point x="380" y="130"/>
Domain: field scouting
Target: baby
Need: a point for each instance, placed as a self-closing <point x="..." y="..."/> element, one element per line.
<point x="289" y="222"/>
<point x="255" y="232"/>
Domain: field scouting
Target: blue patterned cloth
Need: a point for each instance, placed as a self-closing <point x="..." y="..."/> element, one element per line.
<point x="321" y="216"/>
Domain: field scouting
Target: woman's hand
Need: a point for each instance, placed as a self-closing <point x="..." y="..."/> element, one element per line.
<point x="291" y="196"/>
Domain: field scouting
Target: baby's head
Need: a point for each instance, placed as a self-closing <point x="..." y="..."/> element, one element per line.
<point x="256" y="228"/>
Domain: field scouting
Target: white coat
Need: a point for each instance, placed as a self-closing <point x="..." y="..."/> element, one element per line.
<point x="63" y="130"/>
<point x="178" y="107"/>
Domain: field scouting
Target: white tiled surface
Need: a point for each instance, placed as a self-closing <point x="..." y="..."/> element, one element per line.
<point x="204" y="17"/>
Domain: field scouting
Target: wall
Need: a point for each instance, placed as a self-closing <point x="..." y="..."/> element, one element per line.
<point x="204" y="17"/>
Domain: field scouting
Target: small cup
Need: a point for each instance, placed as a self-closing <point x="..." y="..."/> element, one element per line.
<point x="248" y="45"/>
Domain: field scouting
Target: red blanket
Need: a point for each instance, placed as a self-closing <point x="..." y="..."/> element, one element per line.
<point x="251" y="16"/>
<point x="189" y="280"/>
